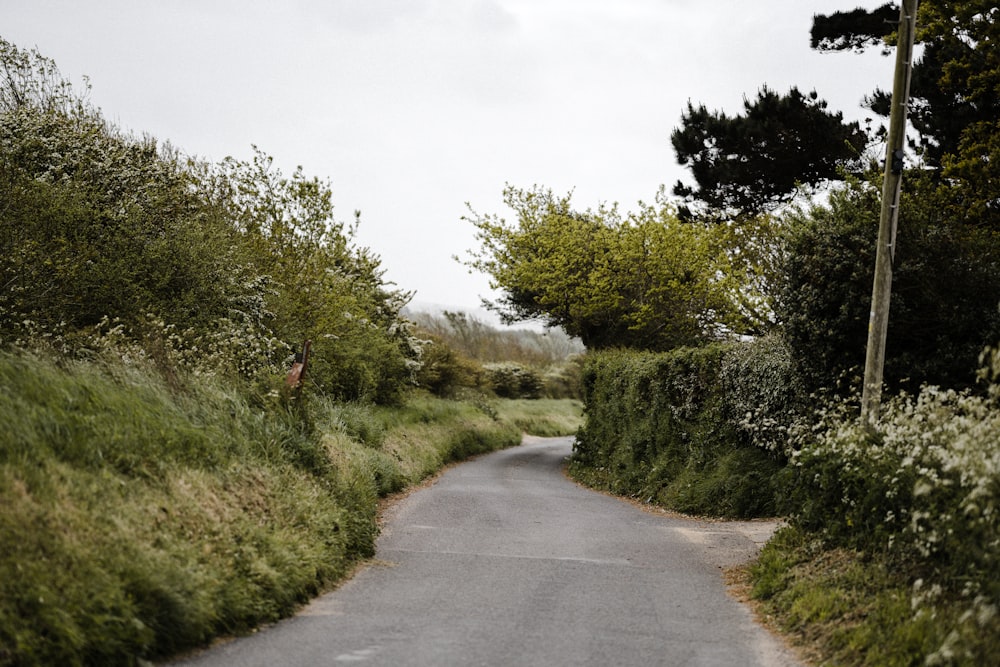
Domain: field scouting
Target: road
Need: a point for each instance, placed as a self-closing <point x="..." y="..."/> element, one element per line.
<point x="504" y="561"/>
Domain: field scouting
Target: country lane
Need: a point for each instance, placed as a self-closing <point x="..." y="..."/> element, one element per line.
<point x="504" y="561"/>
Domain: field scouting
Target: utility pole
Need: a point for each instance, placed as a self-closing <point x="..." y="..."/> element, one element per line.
<point x="878" y="325"/>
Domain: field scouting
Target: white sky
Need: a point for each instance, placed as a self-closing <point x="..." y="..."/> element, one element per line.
<point x="411" y="108"/>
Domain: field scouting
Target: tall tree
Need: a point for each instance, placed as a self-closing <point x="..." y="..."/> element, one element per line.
<point x="747" y="164"/>
<point x="955" y="93"/>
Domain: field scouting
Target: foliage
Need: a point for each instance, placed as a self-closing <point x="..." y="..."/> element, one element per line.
<point x="891" y="553"/>
<point x="846" y="608"/>
<point x="660" y="427"/>
<point x="946" y="279"/>
<point x="954" y="100"/>
<point x="460" y="349"/>
<point x="923" y="490"/>
<point x="444" y="372"/>
<point x="513" y="381"/>
<point x="544" y="417"/>
<point x="563" y="380"/>
<point x="956" y="77"/>
<point x="747" y="164"/>
<point x="476" y="339"/>
<point x="644" y="280"/>
<point x="857" y="29"/>
<point x="140" y="520"/>
<point x="227" y="267"/>
<point x="764" y="397"/>
<point x="323" y="287"/>
<point x="99" y="224"/>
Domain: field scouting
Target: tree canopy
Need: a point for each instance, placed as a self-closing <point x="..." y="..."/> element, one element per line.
<point x="747" y="164"/>
<point x="955" y="93"/>
<point x="643" y="280"/>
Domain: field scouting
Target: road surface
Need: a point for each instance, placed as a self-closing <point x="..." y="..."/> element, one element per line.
<point x="504" y="561"/>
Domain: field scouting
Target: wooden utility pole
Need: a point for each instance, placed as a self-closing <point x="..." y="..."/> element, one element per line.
<point x="878" y="325"/>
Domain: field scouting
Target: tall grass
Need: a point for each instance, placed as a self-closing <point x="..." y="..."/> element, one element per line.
<point x="139" y="520"/>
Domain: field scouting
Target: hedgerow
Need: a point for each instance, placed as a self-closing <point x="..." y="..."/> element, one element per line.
<point x="698" y="429"/>
<point x="922" y="489"/>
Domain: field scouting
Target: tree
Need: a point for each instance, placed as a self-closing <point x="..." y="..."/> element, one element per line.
<point x="322" y="286"/>
<point x="955" y="94"/>
<point x="857" y="29"/>
<point x="645" y="280"/>
<point x="748" y="164"/>
<point x="945" y="285"/>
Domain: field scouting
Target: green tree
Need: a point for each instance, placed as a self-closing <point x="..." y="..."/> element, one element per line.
<point x="323" y="286"/>
<point x="946" y="279"/>
<point x="747" y="164"/>
<point x="643" y="280"/>
<point x="955" y="94"/>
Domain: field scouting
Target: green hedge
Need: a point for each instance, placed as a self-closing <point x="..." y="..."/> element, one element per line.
<point x="696" y="429"/>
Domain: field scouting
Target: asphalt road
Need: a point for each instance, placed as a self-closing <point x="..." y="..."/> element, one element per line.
<point x="503" y="561"/>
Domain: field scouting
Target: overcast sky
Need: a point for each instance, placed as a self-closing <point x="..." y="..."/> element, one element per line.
<point x="411" y="108"/>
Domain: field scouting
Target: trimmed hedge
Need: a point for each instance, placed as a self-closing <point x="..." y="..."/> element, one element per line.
<point x="680" y="428"/>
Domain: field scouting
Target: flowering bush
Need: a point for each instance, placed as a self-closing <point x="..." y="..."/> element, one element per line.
<point x="763" y="394"/>
<point x="112" y="243"/>
<point x="924" y="488"/>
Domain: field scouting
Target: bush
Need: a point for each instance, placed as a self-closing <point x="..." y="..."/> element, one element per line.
<point x="511" y="380"/>
<point x="223" y="267"/>
<point x="946" y="278"/>
<point x="444" y="372"/>
<point x="764" y="397"/>
<point x="924" y="489"/>
<point x="563" y="380"/>
<point x="660" y="426"/>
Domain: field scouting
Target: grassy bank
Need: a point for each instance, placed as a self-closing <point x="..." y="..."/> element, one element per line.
<point x="141" y="519"/>
<point x="843" y="607"/>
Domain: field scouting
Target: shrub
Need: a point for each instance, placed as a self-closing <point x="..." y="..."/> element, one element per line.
<point x="764" y="397"/>
<point x="511" y="380"/>
<point x="659" y="426"/>
<point x="946" y="278"/>
<point x="221" y="267"/>
<point x="444" y="372"/>
<point x="924" y="488"/>
<point x="563" y="380"/>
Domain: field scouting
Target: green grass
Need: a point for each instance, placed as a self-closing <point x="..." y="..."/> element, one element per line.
<point x="842" y="607"/>
<point x="139" y="519"/>
<point x="544" y="417"/>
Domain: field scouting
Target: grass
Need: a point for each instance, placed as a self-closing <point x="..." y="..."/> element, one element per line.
<point x="140" y="520"/>
<point x="842" y="607"/>
<point x="543" y="417"/>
